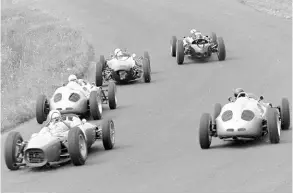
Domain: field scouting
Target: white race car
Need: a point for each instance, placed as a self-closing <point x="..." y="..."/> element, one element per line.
<point x="123" y="69"/>
<point x="245" y="118"/>
<point x="83" y="99"/>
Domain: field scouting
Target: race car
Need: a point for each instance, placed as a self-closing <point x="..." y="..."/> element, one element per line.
<point x="245" y="118"/>
<point x="200" y="48"/>
<point x="85" y="100"/>
<point x="57" y="143"/>
<point x="123" y="69"/>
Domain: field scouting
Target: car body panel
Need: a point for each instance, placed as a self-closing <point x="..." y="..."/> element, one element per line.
<point x="237" y="127"/>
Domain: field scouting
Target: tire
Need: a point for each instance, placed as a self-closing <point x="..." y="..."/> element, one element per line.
<point x="99" y="74"/>
<point x="108" y="134"/>
<point x="272" y="125"/>
<point x="147" y="56"/>
<point x="221" y="49"/>
<point x="112" y="95"/>
<point x="96" y="105"/>
<point x="205" y="139"/>
<point x="285" y="114"/>
<point x="217" y="111"/>
<point x="180" y="52"/>
<point x="102" y="60"/>
<point x="173" y="46"/>
<point x="10" y="150"/>
<point x="214" y="38"/>
<point x="77" y="146"/>
<point x="146" y="70"/>
<point x="41" y="112"/>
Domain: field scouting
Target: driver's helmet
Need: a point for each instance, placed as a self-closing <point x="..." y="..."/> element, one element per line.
<point x="72" y="78"/>
<point x="54" y="116"/>
<point x="117" y="52"/>
<point x="238" y="91"/>
<point x="193" y="31"/>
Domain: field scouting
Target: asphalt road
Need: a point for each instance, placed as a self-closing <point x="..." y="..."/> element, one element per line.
<point x="157" y="148"/>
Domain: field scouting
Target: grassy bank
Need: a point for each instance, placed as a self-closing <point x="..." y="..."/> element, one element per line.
<point x="38" y="52"/>
<point x="280" y="8"/>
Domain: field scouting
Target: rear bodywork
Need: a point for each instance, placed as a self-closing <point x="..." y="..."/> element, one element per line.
<point x="70" y="99"/>
<point x="243" y="118"/>
<point x="122" y="69"/>
<point x="200" y="51"/>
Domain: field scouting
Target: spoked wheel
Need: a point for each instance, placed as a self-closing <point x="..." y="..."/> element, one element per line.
<point x="108" y="134"/>
<point x="77" y="146"/>
<point x="96" y="107"/>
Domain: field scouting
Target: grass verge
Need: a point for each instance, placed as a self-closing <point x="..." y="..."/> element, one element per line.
<point x="38" y="52"/>
<point x="280" y="8"/>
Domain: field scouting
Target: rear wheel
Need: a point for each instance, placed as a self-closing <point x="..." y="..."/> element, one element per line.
<point x="146" y="70"/>
<point x="180" y="52"/>
<point x="95" y="102"/>
<point x="112" y="95"/>
<point x="99" y="74"/>
<point x="173" y="46"/>
<point x="108" y="134"/>
<point x="102" y="60"/>
<point x="285" y="114"/>
<point x="205" y="139"/>
<point x="214" y="38"/>
<point x="12" y="150"/>
<point x="42" y="109"/>
<point x="221" y="49"/>
<point x="272" y="125"/>
<point x="77" y="146"/>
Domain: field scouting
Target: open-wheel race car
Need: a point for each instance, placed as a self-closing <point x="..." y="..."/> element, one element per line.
<point x="246" y="118"/>
<point x="84" y="99"/>
<point x="200" y="48"/>
<point x="123" y="69"/>
<point x="57" y="143"/>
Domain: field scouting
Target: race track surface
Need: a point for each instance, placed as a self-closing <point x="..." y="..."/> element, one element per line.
<point x="157" y="148"/>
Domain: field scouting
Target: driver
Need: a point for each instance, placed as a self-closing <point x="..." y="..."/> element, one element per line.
<point x="238" y="91"/>
<point x="85" y="85"/>
<point x="194" y="35"/>
<point x="119" y="53"/>
<point x="55" y="123"/>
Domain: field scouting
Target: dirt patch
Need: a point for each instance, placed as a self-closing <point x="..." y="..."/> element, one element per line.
<point x="38" y="52"/>
<point x="279" y="8"/>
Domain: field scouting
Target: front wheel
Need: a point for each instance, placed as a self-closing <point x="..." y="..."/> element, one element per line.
<point x="272" y="125"/>
<point x="146" y="70"/>
<point x="112" y="95"/>
<point x="180" y="52"/>
<point x="42" y="109"/>
<point x="12" y="150"/>
<point x="77" y="146"/>
<point x="205" y="139"/>
<point x="108" y="134"/>
<point x="221" y="49"/>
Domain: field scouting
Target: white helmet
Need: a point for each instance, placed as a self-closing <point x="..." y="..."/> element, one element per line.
<point x="116" y="51"/>
<point x="72" y="78"/>
<point x="54" y="115"/>
<point x="193" y="31"/>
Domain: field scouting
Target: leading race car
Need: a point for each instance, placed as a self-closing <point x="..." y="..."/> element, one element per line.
<point x="60" y="141"/>
<point x="81" y="98"/>
<point x="123" y="68"/>
<point x="199" y="48"/>
<point x="248" y="117"/>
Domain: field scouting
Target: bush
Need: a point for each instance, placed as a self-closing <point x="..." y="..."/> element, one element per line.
<point x="38" y="52"/>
